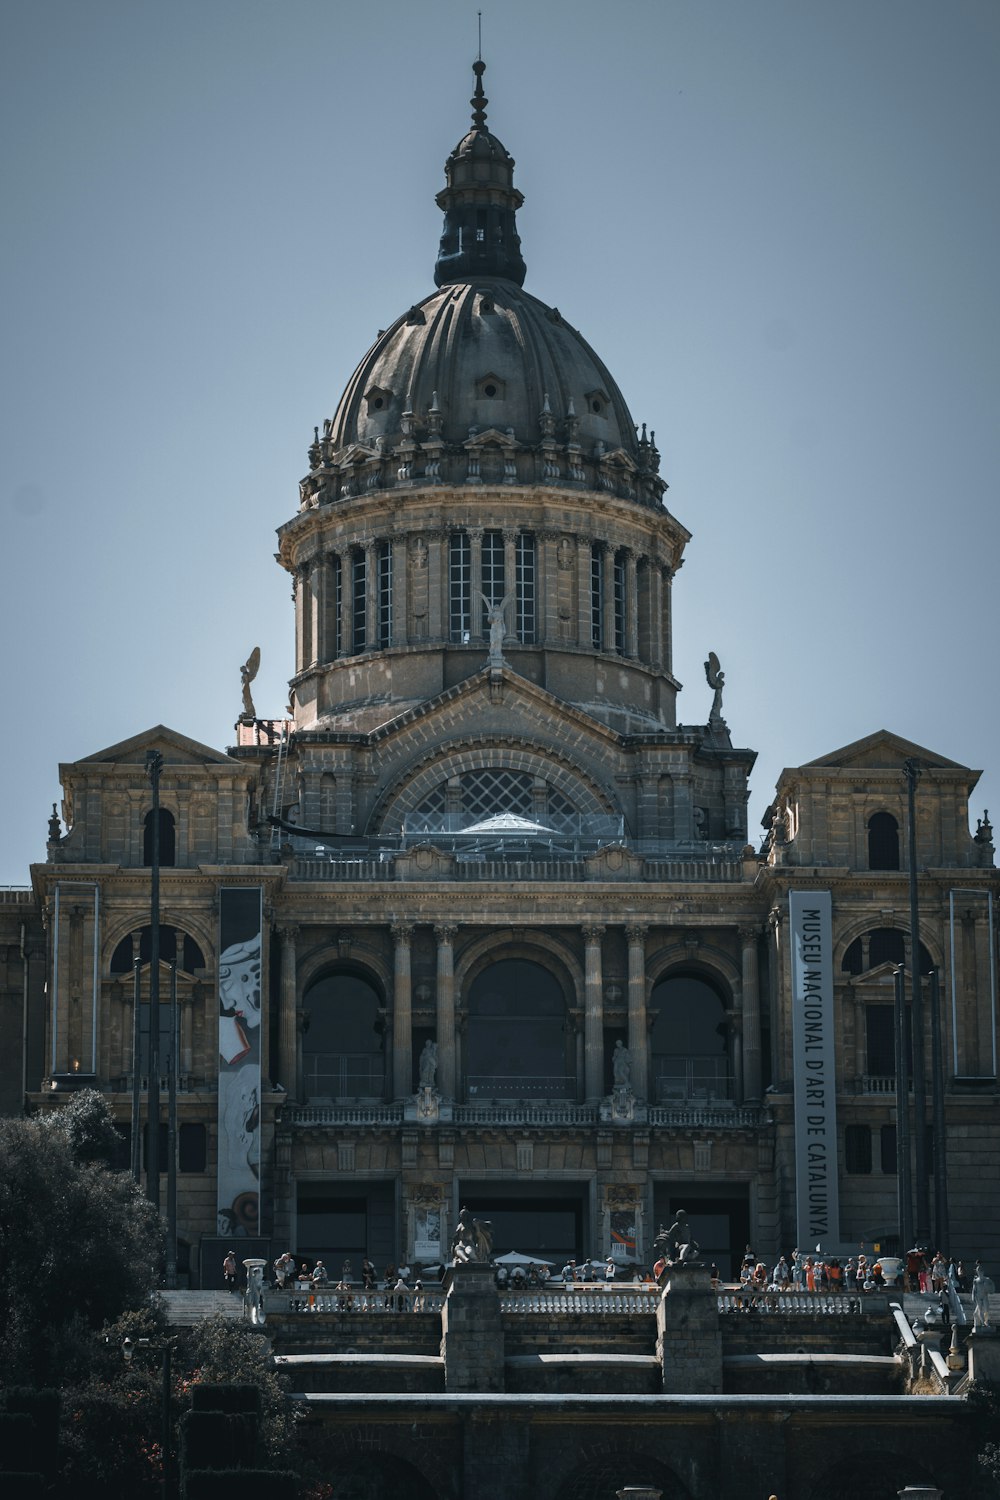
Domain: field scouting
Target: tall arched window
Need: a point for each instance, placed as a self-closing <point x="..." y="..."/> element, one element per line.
<point x="168" y="839"/>
<point x="517" y="1042"/>
<point x="883" y="842"/>
<point x="689" y="1040"/>
<point x="343" y="1045"/>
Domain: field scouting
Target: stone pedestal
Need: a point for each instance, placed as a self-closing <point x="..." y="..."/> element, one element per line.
<point x="688" y="1337"/>
<point x="471" y="1331"/>
<point x="983" y="1349"/>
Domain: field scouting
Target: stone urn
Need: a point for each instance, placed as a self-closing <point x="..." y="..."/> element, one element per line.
<point x="890" y="1268"/>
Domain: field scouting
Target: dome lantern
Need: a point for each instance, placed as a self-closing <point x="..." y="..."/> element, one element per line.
<point x="480" y="202"/>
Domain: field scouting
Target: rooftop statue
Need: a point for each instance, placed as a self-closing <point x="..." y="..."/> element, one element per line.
<point x="472" y="1240"/>
<point x="716" y="681"/>
<point x="248" y="672"/>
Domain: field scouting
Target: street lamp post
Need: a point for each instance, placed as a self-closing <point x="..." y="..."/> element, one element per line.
<point x="154" y="765"/>
<point x="904" y="1191"/>
<point x="911" y="771"/>
<point x="164" y="1352"/>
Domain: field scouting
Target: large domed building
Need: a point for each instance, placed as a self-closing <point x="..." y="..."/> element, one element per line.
<point x="479" y="921"/>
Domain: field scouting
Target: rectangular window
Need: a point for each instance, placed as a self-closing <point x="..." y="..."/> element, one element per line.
<point x="620" y="603"/>
<point x="359" y="600"/>
<point x="858" y="1150"/>
<point x="493" y="573"/>
<point x="597" y="596"/>
<point x="525" y="585"/>
<point x="887" y="1149"/>
<point x="460" y="585"/>
<point x="192" y="1148"/>
<point x="880" y="1040"/>
<point x="384" y="594"/>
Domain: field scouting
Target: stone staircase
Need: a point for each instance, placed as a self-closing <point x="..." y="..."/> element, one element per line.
<point x="184" y="1309"/>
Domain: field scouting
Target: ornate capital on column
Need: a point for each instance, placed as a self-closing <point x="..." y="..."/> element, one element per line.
<point x="636" y="932"/>
<point x="748" y="935"/>
<point x="287" y="931"/>
<point x="592" y="935"/>
<point x="446" y="933"/>
<point x="402" y="934"/>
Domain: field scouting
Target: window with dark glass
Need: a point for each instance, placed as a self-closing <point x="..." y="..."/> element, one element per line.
<point x="517" y="1041"/>
<point x="384" y="594"/>
<point x="460" y="585"/>
<point x="597" y="595"/>
<point x="494" y="583"/>
<point x="689" y="1041"/>
<point x="192" y="1148"/>
<point x="343" y="1050"/>
<point x="359" y="600"/>
<point x="619" y="571"/>
<point x="880" y="1040"/>
<point x="338" y="598"/>
<point x="525" y="585"/>
<point x="883" y="842"/>
<point x="858" y="1150"/>
<point x="887" y="1149"/>
<point x="168" y="841"/>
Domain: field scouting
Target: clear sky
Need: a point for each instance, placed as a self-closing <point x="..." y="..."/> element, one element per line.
<point x="777" y="221"/>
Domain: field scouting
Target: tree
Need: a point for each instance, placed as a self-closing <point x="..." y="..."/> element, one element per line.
<point x="78" y="1242"/>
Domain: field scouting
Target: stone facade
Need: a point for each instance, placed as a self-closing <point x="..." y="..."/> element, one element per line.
<point x="482" y="825"/>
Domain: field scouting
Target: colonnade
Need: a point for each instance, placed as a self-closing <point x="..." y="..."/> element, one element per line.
<point x="744" y="1016"/>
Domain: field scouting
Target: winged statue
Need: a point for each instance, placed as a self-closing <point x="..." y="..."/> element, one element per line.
<point x="716" y="681"/>
<point x="248" y="672"/>
<point x="496" y="616"/>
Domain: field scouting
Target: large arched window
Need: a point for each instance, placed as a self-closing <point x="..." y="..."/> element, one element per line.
<point x="168" y="841"/>
<point x="883" y="842"/>
<point x="689" y="1040"/>
<point x="343" y="1045"/>
<point x="517" y="1042"/>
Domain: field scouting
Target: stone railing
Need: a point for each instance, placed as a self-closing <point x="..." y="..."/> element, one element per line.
<point x="596" y="1297"/>
<point x="805" y="1304"/>
<point x="378" y="1303"/>
<point x="346" y="1114"/>
<point x="710" y="1116"/>
<point x="524" y="1112"/>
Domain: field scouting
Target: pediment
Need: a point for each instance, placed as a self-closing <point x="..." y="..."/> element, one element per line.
<point x="357" y="453"/>
<point x="883" y="751"/>
<point x="617" y="458"/>
<point x="492" y="437"/>
<point x="473" y="705"/>
<point x="176" y="749"/>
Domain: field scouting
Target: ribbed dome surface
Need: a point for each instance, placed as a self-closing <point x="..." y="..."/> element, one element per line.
<point x="491" y="354"/>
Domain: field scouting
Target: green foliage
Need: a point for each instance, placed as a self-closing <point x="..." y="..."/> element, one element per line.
<point x="78" y="1243"/>
<point x="983" y="1409"/>
<point x="228" y="1351"/>
<point x="88" y="1127"/>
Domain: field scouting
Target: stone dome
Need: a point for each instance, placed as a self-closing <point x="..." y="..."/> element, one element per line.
<point x="477" y="355"/>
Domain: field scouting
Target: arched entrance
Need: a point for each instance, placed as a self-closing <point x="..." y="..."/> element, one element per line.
<point x="518" y="1043"/>
<point x="343" y="1045"/>
<point x="689" y="1041"/>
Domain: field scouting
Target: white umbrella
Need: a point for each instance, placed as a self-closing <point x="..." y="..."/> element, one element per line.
<point x="515" y="1258"/>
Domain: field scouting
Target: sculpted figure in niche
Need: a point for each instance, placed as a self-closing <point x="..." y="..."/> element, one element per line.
<point x="621" y="1065"/>
<point x="428" y="1065"/>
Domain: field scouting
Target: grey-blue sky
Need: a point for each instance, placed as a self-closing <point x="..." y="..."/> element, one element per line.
<point x="778" y="223"/>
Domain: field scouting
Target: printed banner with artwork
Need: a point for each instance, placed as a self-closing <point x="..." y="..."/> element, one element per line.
<point x="240" y="1002"/>
<point x="623" y="1238"/>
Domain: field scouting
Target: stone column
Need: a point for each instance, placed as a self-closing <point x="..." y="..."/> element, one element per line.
<point x="299" y="602"/>
<point x="402" y="1032"/>
<point x="656" y="615"/>
<point x="751" y="1017"/>
<point x="446" y="1074"/>
<point x="288" y="1074"/>
<point x="638" y="1035"/>
<point x="668" y="621"/>
<point x="475" y="582"/>
<point x="399" y="590"/>
<point x="593" y="1016"/>
<point x="331" y="619"/>
<point x="631" y="605"/>
<point x="510" y="578"/>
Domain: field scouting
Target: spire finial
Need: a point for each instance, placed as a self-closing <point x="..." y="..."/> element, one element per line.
<point x="479" y="100"/>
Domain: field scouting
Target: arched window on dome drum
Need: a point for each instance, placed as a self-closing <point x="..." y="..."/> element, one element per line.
<point x="495" y="789"/>
<point x="460" y="586"/>
<point x="597" y="595"/>
<point x="525" y="585"/>
<point x="343" y="1047"/>
<point x="689" y="1041"/>
<point x="359" y="601"/>
<point x="384" y="595"/>
<point x="883" y="842"/>
<point x="517" y="1043"/>
<point x="620" y="602"/>
<point x="168" y="838"/>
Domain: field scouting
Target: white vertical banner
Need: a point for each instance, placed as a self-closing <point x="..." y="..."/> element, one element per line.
<point x="813" y="1070"/>
<point x="240" y="1002"/>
